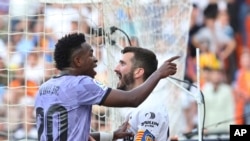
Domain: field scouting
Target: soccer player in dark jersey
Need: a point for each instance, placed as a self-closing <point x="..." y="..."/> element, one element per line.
<point x="63" y="103"/>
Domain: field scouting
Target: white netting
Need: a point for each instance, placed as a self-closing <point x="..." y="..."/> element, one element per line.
<point x="30" y="28"/>
<point x="161" y="26"/>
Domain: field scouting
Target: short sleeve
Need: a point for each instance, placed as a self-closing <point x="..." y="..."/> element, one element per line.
<point x="90" y="91"/>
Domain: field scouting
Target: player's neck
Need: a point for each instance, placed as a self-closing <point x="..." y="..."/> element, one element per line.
<point x="135" y="85"/>
<point x="68" y="71"/>
<point x="64" y="72"/>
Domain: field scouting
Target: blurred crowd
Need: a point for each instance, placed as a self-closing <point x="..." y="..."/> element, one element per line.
<point x="220" y="31"/>
<point x="219" y="36"/>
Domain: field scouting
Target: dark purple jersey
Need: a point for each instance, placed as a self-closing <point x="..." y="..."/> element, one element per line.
<point x="63" y="107"/>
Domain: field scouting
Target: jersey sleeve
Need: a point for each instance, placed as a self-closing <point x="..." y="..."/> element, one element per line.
<point x="90" y="91"/>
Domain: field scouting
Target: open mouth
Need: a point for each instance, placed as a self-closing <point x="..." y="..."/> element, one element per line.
<point x="119" y="75"/>
<point x="94" y="67"/>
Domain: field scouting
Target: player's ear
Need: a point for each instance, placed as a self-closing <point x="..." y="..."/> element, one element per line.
<point x="139" y="72"/>
<point x="77" y="60"/>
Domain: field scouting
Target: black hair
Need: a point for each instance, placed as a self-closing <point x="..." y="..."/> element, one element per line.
<point x="211" y="11"/>
<point x="143" y="58"/>
<point x="65" y="47"/>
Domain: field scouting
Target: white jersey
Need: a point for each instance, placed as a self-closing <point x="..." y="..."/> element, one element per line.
<point x="151" y="118"/>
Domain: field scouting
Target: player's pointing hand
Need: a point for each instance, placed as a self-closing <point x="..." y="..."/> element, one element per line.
<point x="168" y="67"/>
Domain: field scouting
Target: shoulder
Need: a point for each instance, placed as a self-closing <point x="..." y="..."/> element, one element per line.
<point x="70" y="79"/>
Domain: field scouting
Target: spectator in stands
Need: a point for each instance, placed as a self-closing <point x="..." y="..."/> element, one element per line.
<point x="34" y="67"/>
<point x="190" y="71"/>
<point x="243" y="18"/>
<point x="221" y="45"/>
<point x="26" y="130"/>
<point x="44" y="42"/>
<point x="4" y="7"/>
<point x="11" y="99"/>
<point x="3" y="29"/>
<point x="3" y="51"/>
<point x="208" y="61"/>
<point x="20" y="81"/>
<point x="242" y="88"/>
<point x="15" y="58"/>
<point x="18" y="88"/>
<point x="223" y="23"/>
<point x="219" y="102"/>
<point x="3" y="77"/>
<point x="3" y="125"/>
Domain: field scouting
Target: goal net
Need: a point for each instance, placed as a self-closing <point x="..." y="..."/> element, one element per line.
<point x="29" y="30"/>
<point x="161" y="26"/>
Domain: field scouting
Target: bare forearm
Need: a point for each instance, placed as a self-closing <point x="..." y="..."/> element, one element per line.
<point x="140" y="93"/>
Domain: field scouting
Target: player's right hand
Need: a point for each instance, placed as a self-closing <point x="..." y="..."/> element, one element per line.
<point x="168" y="67"/>
<point x="122" y="132"/>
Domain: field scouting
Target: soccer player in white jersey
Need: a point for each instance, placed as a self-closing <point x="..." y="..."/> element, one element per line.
<point x="148" y="121"/>
<point x="63" y="103"/>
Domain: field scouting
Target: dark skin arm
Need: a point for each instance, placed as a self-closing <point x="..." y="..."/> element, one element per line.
<point x="121" y="132"/>
<point x="135" y="97"/>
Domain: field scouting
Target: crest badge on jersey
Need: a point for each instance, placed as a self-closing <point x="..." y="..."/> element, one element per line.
<point x="100" y="84"/>
<point x="144" y="136"/>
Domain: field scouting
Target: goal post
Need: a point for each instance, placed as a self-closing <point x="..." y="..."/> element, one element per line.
<point x="29" y="30"/>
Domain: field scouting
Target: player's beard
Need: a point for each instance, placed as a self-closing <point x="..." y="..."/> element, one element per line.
<point x="125" y="81"/>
